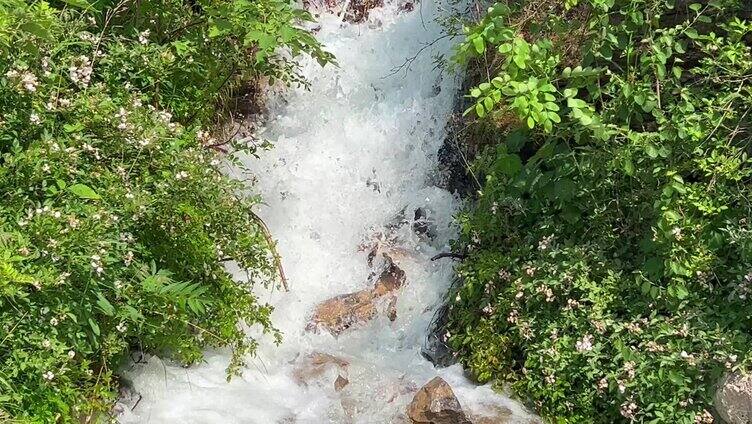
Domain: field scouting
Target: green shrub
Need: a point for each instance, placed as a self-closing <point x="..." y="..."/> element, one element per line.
<point x="115" y="220"/>
<point x="609" y="252"/>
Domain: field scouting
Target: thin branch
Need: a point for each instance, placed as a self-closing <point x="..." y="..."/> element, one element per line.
<point x="272" y="247"/>
<point x="409" y="61"/>
<point x="449" y="255"/>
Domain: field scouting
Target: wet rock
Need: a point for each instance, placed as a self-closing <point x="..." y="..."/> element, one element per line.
<point x="434" y="348"/>
<point x="435" y="403"/>
<point x="733" y="399"/>
<point x="288" y="419"/>
<point x="357" y="10"/>
<point x="340" y="383"/>
<point x="391" y="310"/>
<point x="316" y="364"/>
<point x="390" y="280"/>
<point x="407" y="6"/>
<point x="128" y="398"/>
<point x="344" y="311"/>
<point x="492" y="414"/>
<point x="423" y="225"/>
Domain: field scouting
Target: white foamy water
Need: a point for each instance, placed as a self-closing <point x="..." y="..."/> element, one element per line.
<point x="350" y="156"/>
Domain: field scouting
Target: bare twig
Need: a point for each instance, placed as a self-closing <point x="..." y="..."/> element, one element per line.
<point x="409" y="61"/>
<point x="272" y="247"/>
<point x="449" y="255"/>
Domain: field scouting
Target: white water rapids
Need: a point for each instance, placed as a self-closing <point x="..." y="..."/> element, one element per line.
<point x="349" y="156"/>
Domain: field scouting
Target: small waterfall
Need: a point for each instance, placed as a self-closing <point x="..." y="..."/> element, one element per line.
<point x="353" y="160"/>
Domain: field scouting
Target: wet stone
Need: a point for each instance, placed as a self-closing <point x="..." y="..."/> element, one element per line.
<point x="435" y="403"/>
<point x="341" y="312"/>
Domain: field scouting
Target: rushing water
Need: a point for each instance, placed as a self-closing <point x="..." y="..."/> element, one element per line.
<point x="350" y="156"/>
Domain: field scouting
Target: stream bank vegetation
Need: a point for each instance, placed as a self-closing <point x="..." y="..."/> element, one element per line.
<point x="608" y="270"/>
<point x="115" y="218"/>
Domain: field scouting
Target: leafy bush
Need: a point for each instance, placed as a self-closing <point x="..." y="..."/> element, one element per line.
<point x="115" y="220"/>
<point x="609" y="252"/>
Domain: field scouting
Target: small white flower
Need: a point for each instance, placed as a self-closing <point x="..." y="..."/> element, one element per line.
<point x="53" y="321"/>
<point x="35" y="119"/>
<point x="545" y="242"/>
<point x="71" y="354"/>
<point x="143" y="37"/>
<point x="80" y="71"/>
<point x="29" y="82"/>
<point x="585" y="344"/>
<point x="46" y="344"/>
<point x="628" y="410"/>
<point x="121" y="327"/>
<point x="49" y="375"/>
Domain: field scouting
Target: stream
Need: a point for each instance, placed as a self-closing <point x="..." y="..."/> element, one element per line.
<point x="353" y="160"/>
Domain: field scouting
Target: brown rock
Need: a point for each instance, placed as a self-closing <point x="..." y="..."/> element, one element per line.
<point x="391" y="310"/>
<point x="340" y="383"/>
<point x="435" y="403"/>
<point x="494" y="415"/>
<point x="733" y="399"/>
<point x="315" y="364"/>
<point x="342" y="312"/>
<point x="390" y="280"/>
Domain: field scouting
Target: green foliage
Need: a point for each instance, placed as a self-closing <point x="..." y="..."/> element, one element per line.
<point x="116" y="220"/>
<point x="609" y="268"/>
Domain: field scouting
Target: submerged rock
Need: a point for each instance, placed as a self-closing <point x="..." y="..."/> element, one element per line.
<point x="316" y="364"/>
<point x="733" y="400"/>
<point x="435" y="403"/>
<point x="342" y="312"/>
<point x="492" y="415"/>
<point x="340" y="383"/>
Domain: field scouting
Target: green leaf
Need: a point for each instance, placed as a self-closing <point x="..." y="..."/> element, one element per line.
<point x="105" y="305"/>
<point x="651" y="150"/>
<point x="629" y="167"/>
<point x="691" y="33"/>
<point x="84" y="192"/>
<point x="479" y="110"/>
<point x="510" y="165"/>
<point x="94" y="326"/>
<point x="479" y="44"/>
<point x="36" y="29"/>
<point x="81" y="4"/>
